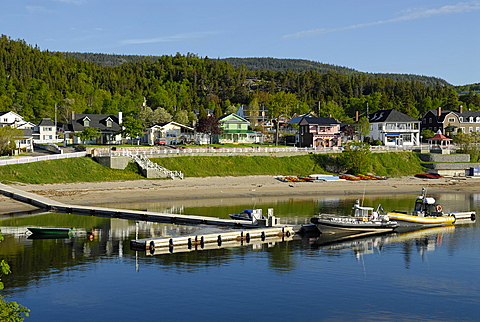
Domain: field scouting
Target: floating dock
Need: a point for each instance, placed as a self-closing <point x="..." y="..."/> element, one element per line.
<point x="161" y="245"/>
<point x="255" y="243"/>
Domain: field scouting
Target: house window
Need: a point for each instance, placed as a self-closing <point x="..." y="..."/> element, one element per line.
<point x="109" y="123"/>
<point x="460" y="119"/>
<point x="478" y="119"/>
<point x="470" y="129"/>
<point x="47" y="129"/>
<point x="451" y="119"/>
<point x="462" y="129"/>
<point x="477" y="129"/>
<point x="471" y="119"/>
<point x="430" y="120"/>
<point x="86" y="123"/>
<point x="239" y="126"/>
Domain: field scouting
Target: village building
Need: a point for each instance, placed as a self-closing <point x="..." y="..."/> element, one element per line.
<point x="169" y="133"/>
<point x="108" y="125"/>
<point x="45" y="132"/>
<point x="394" y="128"/>
<point x="451" y="122"/>
<point x="16" y="121"/>
<point x="319" y="132"/>
<point x="235" y="130"/>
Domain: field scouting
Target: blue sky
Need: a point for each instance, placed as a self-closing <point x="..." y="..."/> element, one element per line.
<point x="425" y="37"/>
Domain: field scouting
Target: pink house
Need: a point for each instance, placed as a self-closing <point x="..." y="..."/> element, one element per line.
<point x="319" y="132"/>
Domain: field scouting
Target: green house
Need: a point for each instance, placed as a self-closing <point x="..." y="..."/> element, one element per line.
<point x="235" y="130"/>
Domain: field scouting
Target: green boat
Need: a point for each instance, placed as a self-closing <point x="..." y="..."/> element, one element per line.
<point x="51" y="231"/>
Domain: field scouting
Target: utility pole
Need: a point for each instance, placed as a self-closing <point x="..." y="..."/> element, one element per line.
<point x="55" y="122"/>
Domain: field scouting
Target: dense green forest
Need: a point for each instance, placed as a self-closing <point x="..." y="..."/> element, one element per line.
<point x="34" y="83"/>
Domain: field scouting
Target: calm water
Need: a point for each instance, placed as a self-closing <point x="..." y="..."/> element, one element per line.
<point x="426" y="275"/>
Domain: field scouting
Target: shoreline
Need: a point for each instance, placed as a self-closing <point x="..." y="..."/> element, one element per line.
<point x="195" y="189"/>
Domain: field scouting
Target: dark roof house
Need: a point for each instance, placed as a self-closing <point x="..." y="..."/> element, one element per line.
<point x="392" y="127"/>
<point x="451" y="122"/>
<point x="319" y="132"/>
<point x="109" y="126"/>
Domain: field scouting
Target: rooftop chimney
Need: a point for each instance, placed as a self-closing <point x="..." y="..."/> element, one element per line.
<point x="356" y="116"/>
<point x="460" y="109"/>
<point x="439" y="111"/>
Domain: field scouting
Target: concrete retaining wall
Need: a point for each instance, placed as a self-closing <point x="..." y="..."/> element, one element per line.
<point x="446" y="165"/>
<point x="113" y="162"/>
<point x="445" y="157"/>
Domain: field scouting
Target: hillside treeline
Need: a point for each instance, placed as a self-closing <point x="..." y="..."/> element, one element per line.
<point x="35" y="83"/>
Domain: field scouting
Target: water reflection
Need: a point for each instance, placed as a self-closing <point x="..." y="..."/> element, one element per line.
<point x="292" y="273"/>
<point x="421" y="241"/>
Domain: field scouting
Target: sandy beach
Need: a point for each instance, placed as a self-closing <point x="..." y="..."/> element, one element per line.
<point x="210" y="188"/>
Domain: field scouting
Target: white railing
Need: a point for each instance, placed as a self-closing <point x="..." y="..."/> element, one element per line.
<point x="19" y="160"/>
<point x="239" y="150"/>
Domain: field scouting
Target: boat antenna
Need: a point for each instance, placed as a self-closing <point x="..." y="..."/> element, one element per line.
<point x="364" y="187"/>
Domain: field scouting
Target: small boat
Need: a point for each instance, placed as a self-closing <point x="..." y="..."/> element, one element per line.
<point x="248" y="214"/>
<point x="427" y="213"/>
<point x="428" y="175"/>
<point x="365" y="221"/>
<point x="51" y="231"/>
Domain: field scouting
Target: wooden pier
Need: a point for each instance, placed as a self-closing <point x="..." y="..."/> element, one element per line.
<point x="55" y="206"/>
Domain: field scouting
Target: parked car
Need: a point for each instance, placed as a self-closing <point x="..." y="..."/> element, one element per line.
<point x="160" y="142"/>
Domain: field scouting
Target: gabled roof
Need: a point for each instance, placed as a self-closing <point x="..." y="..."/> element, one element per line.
<point x="160" y="125"/>
<point x="98" y="121"/>
<point x="390" y="116"/>
<point x="11" y="112"/>
<point x="442" y="115"/>
<point x="298" y="117"/>
<point x="228" y="117"/>
<point x="318" y="121"/>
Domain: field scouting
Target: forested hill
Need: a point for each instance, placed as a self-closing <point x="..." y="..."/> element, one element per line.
<point x="154" y="89"/>
<point x="267" y="63"/>
<point x="302" y="65"/>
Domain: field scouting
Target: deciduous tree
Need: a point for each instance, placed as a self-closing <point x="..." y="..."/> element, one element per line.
<point x="89" y="133"/>
<point x="356" y="157"/>
<point x="210" y="126"/>
<point x="8" y="136"/>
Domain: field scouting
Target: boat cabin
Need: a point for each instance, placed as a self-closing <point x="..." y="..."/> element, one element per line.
<point x="360" y="211"/>
<point x="426" y="206"/>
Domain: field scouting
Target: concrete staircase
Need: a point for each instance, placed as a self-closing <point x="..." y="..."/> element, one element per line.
<point x="154" y="170"/>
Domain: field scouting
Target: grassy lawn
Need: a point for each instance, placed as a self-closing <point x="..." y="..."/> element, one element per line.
<point x="394" y="164"/>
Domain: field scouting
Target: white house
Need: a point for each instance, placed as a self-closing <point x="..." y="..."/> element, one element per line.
<point x="13" y="120"/>
<point x="16" y="121"/>
<point x="394" y="128"/>
<point x="45" y="132"/>
<point x="169" y="133"/>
